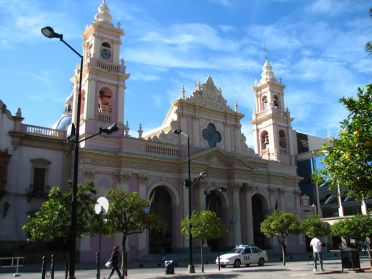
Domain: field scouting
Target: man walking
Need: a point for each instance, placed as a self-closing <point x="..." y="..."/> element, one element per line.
<point x="317" y="252"/>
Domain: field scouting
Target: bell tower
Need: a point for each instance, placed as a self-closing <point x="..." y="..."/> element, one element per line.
<point x="104" y="75"/>
<point x="271" y="121"/>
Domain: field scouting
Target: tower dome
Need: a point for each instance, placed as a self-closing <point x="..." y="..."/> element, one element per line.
<point x="66" y="118"/>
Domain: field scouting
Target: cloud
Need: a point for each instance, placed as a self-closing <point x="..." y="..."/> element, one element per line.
<point x="328" y="7"/>
<point x="191" y="36"/>
<point x="225" y="3"/>
<point x="27" y="18"/>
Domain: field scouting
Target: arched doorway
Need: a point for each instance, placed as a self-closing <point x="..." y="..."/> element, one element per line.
<point x="162" y="207"/>
<point x="214" y="203"/>
<point x="258" y="214"/>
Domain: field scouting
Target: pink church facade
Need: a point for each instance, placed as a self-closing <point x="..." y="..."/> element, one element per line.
<point x="155" y="163"/>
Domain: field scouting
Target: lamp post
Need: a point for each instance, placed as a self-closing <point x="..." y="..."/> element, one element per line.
<point x="207" y="192"/>
<point x="188" y="184"/>
<point x="50" y="34"/>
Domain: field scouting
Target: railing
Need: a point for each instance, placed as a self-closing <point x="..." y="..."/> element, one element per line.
<point x="109" y="67"/>
<point x="43" y="131"/>
<point x="12" y="262"/>
<point x="162" y="150"/>
<point x="104" y="117"/>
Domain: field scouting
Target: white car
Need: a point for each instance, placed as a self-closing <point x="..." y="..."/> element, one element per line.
<point x="243" y="255"/>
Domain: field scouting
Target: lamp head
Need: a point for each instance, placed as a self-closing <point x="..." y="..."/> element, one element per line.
<point x="177" y="131"/>
<point x="48" y="32"/>
<point x="203" y="174"/>
<point x="110" y="129"/>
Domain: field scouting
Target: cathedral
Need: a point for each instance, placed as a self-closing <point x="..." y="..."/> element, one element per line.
<point x="155" y="163"/>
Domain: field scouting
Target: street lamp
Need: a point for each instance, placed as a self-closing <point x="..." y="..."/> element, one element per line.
<point x="189" y="184"/>
<point x="207" y="192"/>
<point x="50" y="34"/>
<point x="100" y="208"/>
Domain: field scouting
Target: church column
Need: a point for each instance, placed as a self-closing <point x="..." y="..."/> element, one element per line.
<point x="123" y="180"/>
<point x="249" y="215"/>
<point x="143" y="237"/>
<point x="236" y="213"/>
<point x="185" y="211"/>
<point x="203" y="185"/>
<point x="121" y="97"/>
<point x="90" y="99"/>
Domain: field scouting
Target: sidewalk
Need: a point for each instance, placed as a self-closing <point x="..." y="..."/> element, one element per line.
<point x="275" y="270"/>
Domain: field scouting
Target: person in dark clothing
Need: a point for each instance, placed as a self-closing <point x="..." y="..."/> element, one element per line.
<point x="115" y="260"/>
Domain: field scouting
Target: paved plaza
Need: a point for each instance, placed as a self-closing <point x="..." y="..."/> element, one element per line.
<point x="275" y="270"/>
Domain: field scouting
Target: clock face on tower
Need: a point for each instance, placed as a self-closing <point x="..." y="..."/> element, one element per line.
<point x="105" y="53"/>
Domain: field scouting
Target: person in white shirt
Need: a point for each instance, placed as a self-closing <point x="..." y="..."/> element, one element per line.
<point x="317" y="252"/>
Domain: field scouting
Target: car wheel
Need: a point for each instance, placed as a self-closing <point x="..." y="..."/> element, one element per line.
<point x="261" y="262"/>
<point x="237" y="263"/>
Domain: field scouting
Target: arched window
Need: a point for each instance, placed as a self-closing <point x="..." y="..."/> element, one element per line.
<point x="264" y="139"/>
<point x="282" y="139"/>
<point x="276" y="102"/>
<point x="264" y="102"/>
<point x="106" y="44"/>
<point x="104" y="104"/>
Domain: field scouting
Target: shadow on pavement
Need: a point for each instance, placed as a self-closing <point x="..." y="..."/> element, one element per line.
<point x="200" y="276"/>
<point x="261" y="270"/>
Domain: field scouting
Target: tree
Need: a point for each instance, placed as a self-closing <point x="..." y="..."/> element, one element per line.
<point x="205" y="225"/>
<point x="53" y="221"/>
<point x="358" y="226"/>
<point x="128" y="214"/>
<point x="348" y="160"/>
<point x="312" y="226"/>
<point x="280" y="224"/>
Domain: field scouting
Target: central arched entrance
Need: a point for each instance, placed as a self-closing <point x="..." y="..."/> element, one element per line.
<point x="214" y="203"/>
<point x="258" y="214"/>
<point x="161" y="242"/>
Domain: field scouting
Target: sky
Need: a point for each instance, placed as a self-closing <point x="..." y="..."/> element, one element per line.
<point x="316" y="48"/>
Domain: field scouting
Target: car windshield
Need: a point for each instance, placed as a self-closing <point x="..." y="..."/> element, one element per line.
<point x="237" y="250"/>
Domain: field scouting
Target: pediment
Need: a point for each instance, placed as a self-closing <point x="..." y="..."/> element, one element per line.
<point x="218" y="158"/>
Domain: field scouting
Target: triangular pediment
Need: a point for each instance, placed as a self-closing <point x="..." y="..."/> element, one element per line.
<point x="218" y="158"/>
<point x="208" y="95"/>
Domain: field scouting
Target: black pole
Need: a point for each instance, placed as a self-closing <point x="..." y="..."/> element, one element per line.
<point x="43" y="267"/>
<point x="191" y="268"/>
<point x="98" y="255"/>
<point x="98" y="268"/>
<point x="52" y="266"/>
<point x="75" y="178"/>
<point x="218" y="240"/>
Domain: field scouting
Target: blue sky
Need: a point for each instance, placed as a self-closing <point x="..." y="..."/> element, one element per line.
<point x="315" y="46"/>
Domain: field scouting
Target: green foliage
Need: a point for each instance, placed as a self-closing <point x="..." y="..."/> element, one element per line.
<point x="205" y="225"/>
<point x="348" y="160"/>
<point x="280" y="224"/>
<point x="312" y="226"/>
<point x="358" y="226"/>
<point x="53" y="220"/>
<point x="127" y="213"/>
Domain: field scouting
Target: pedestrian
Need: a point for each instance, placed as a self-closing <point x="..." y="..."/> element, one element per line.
<point x="317" y="252"/>
<point x="115" y="260"/>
